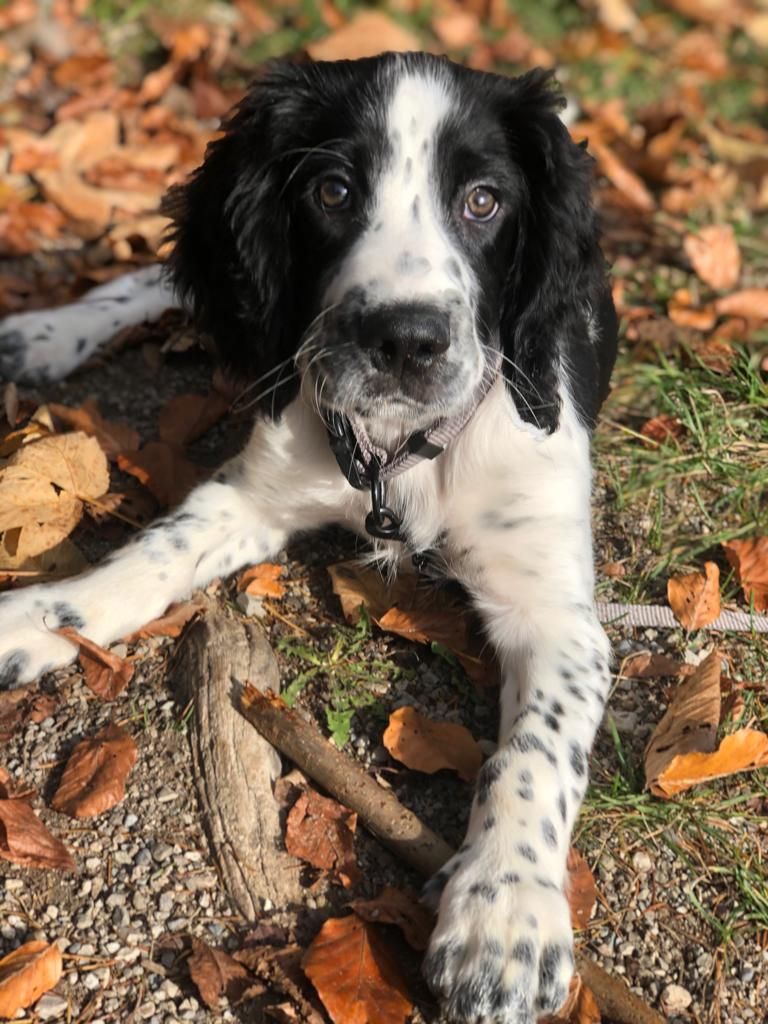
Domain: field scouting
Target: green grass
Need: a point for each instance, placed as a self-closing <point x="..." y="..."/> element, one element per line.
<point x="342" y="673"/>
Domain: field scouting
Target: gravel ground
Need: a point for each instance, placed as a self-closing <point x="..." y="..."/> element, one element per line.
<point x="144" y="879"/>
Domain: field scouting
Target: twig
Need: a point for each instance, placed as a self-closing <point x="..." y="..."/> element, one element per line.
<point x="398" y="828"/>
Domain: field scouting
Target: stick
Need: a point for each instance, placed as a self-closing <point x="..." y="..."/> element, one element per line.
<point x="398" y="828"/>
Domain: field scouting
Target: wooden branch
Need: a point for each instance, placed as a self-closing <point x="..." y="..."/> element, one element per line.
<point x="381" y="812"/>
<point x="234" y="767"/>
<point x="398" y="828"/>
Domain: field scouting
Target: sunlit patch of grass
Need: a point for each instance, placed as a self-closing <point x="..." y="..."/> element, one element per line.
<point x="707" y="832"/>
<point x="681" y="497"/>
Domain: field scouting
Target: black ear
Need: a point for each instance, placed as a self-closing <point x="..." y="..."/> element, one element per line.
<point x="231" y="228"/>
<point x="557" y="279"/>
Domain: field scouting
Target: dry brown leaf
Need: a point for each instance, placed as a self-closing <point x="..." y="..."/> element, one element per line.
<point x="25" y="840"/>
<point x="355" y="975"/>
<point x="95" y="774"/>
<point x="646" y="665"/>
<point x="624" y="179"/>
<point x="457" y="28"/>
<point x="580" y="889"/>
<point x="186" y="417"/>
<point x="366" y="35"/>
<point x="401" y="908"/>
<point x="105" y="673"/>
<point x="695" y="597"/>
<point x="714" y="254"/>
<point x="749" y="558"/>
<point x="701" y="318"/>
<point x="689" y="725"/>
<point x="26" y="973"/>
<point x="579" y="1008"/>
<point x="63" y="559"/>
<point x="262" y="580"/>
<point x="321" y="832"/>
<point x="662" y="429"/>
<point x="217" y="974"/>
<point x="42" y="489"/>
<point x="113" y="437"/>
<point x="751" y="303"/>
<point x="742" y="751"/>
<point x="164" y="471"/>
<point x="428" y="746"/>
<point x="170" y="623"/>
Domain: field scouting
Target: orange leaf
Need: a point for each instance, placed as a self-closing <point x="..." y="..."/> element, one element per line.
<point x="25" y="840"/>
<point x="186" y="417"/>
<point x="429" y="746"/>
<point x="169" y="624"/>
<point x="25" y="974"/>
<point x="662" y="428"/>
<point x="216" y="974"/>
<point x="262" y="581"/>
<point x="580" y="888"/>
<point x="750" y="560"/>
<point x="321" y="832"/>
<point x="646" y="665"/>
<point x="624" y="179"/>
<point x="367" y="34"/>
<point x="457" y="29"/>
<point x="695" y="598"/>
<point x="751" y="303"/>
<point x="355" y="975"/>
<point x="163" y="470"/>
<point x="579" y="1008"/>
<point x="112" y="437"/>
<point x="689" y="725"/>
<point x="95" y="774"/>
<point x="714" y="254"/>
<point x="401" y="908"/>
<point x="742" y="751"/>
<point x="105" y="673"/>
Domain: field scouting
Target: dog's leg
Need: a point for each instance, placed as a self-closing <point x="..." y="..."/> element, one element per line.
<point x="47" y="344"/>
<point x="502" y="949"/>
<point x="284" y="481"/>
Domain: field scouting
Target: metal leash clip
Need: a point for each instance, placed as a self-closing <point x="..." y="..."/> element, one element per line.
<point x="381" y="521"/>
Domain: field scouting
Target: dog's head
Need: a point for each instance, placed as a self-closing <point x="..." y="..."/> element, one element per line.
<point x="375" y="227"/>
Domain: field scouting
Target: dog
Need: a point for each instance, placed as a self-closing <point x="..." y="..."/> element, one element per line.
<point x="402" y="257"/>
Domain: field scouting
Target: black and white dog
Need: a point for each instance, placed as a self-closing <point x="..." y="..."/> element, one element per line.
<point x="402" y="255"/>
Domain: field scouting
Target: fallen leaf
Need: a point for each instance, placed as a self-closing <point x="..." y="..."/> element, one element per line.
<point x="355" y="975"/>
<point x="621" y="177"/>
<point x="171" y="623"/>
<point x="401" y="908"/>
<point x="262" y="580"/>
<point x="105" y="673"/>
<point x="751" y="303"/>
<point x="186" y="417"/>
<point x="163" y="470"/>
<point x="749" y="559"/>
<point x="366" y="35"/>
<point x="113" y="437"/>
<point x="216" y="974"/>
<point x="662" y="429"/>
<point x="695" y="597"/>
<point x="429" y="746"/>
<point x="95" y="773"/>
<point x="647" y="666"/>
<point x="742" y="751"/>
<point x="579" y="1008"/>
<point x="714" y="255"/>
<point x="580" y="889"/>
<point x="25" y="840"/>
<point x="42" y="489"/>
<point x="26" y="973"/>
<point x="321" y="832"/>
<point x="457" y="29"/>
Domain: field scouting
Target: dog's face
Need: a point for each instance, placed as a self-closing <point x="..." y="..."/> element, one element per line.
<point x="375" y="227"/>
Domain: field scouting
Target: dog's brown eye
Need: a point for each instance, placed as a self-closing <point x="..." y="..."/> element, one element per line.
<point x="480" y="204"/>
<point x="334" y="194"/>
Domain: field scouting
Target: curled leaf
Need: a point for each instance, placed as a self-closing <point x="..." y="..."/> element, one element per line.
<point x="26" y="973"/>
<point x="428" y="746"/>
<point x="695" y="597"/>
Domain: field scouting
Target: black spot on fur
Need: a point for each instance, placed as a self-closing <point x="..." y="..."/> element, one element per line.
<point x="549" y="832"/>
<point x="527" y="851"/>
<point x="524" y="952"/>
<point x="577" y="760"/>
<point x="489" y="775"/>
<point x="67" y="615"/>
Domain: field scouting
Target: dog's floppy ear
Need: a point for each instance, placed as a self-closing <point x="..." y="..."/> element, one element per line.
<point x="557" y="273"/>
<point x="231" y="259"/>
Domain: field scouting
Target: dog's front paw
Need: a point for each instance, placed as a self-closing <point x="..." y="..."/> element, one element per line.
<point x="28" y="644"/>
<point x="502" y="950"/>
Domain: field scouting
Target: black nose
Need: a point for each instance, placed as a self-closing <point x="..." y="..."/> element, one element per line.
<point x="397" y="336"/>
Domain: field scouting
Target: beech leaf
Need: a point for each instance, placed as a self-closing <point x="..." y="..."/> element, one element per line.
<point x="112" y="437"/>
<point x="163" y="469"/>
<point x="750" y="560"/>
<point x="26" y="973"/>
<point x="104" y="672"/>
<point x="25" y="840"/>
<point x="695" y="597"/>
<point x="95" y="774"/>
<point x="262" y="580"/>
<point x="428" y="746"/>
<point x="321" y="832"/>
<point x="355" y="975"/>
<point x="401" y="908"/>
<point x="186" y="417"/>
<point x="714" y="254"/>
<point x="367" y="34"/>
<point x="217" y="974"/>
<point x="170" y="623"/>
<point x="580" y="889"/>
